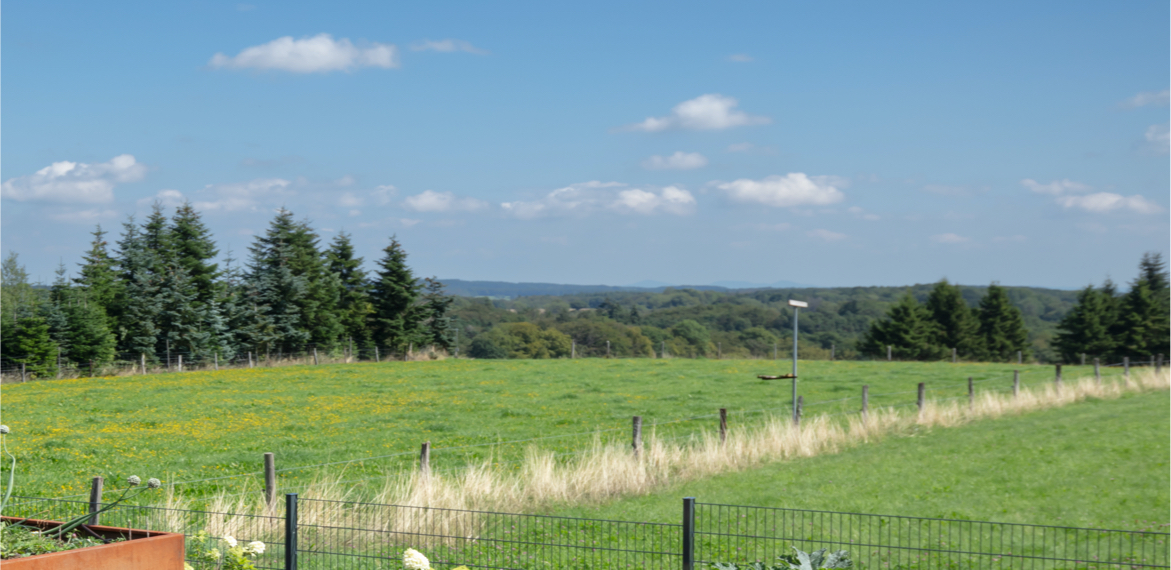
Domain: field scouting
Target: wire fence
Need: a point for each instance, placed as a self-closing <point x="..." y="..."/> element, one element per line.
<point x="318" y="534"/>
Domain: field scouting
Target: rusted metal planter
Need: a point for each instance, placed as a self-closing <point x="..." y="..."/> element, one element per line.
<point x="145" y="550"/>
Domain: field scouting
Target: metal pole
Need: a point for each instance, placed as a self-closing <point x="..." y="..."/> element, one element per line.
<point x="688" y="533"/>
<point x="796" y="311"/>
<point x="290" y="531"/>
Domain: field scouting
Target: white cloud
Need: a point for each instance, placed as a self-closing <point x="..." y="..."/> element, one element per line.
<point x="588" y="197"/>
<point x="75" y="181"/>
<point x="704" y="113"/>
<point x="168" y="199"/>
<point x="355" y="212"/>
<point x="432" y="201"/>
<point x="678" y="161"/>
<point x="350" y="200"/>
<point x="346" y="180"/>
<point x="826" y="235"/>
<point x="740" y="58"/>
<point x="84" y="216"/>
<point x="671" y="199"/>
<point x="244" y="195"/>
<point x="384" y="194"/>
<point x="317" y="54"/>
<point x="1158" y="138"/>
<point x="793" y="189"/>
<point x="1055" y="188"/>
<point x="950" y="238"/>
<point x="1102" y="202"/>
<point x="1160" y="98"/>
<point x="447" y="46"/>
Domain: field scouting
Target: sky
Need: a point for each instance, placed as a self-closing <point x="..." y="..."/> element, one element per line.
<point x="828" y="143"/>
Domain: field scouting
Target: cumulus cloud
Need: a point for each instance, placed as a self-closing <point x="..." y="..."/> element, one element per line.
<point x="244" y="196"/>
<point x="588" y="197"/>
<point x="432" y="201"/>
<point x="1160" y="98"/>
<point x="826" y="235"/>
<point x="1070" y="194"/>
<point x="350" y="200"/>
<point x="950" y="238"/>
<point x="447" y="46"/>
<point x="704" y="113"/>
<point x="793" y="189"/>
<point x="383" y="194"/>
<point x="740" y="58"/>
<point x="317" y="54"/>
<point x="1055" y="188"/>
<point x="1102" y="202"/>
<point x="74" y="181"/>
<point x="168" y="199"/>
<point x="678" y="161"/>
<point x="1158" y="138"/>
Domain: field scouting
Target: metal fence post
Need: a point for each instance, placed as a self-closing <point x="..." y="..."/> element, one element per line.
<point x="290" y="531"/>
<point x="95" y="499"/>
<point x="688" y="533"/>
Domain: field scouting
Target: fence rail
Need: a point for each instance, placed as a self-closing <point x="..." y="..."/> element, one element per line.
<point x="346" y="534"/>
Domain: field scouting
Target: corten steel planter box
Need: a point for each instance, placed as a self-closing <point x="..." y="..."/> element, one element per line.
<point x="146" y="550"/>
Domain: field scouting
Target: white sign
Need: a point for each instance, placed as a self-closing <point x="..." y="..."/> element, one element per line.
<point x="801" y="304"/>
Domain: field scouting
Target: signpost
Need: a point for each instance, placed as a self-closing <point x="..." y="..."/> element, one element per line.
<point x="797" y="305"/>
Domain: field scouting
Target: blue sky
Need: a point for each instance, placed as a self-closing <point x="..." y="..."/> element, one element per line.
<point x="822" y="143"/>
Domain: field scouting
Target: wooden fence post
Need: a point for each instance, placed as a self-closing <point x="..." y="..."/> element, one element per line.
<point x="636" y="435"/>
<point x="1125" y="370"/>
<point x="1020" y="357"/>
<point x="379" y="359"/>
<point x="249" y="359"/>
<point x="23" y="374"/>
<point x="1097" y="371"/>
<point x="1016" y="383"/>
<point x="269" y="478"/>
<point x="888" y="353"/>
<point x="425" y="458"/>
<point x="971" y="394"/>
<point x="91" y="368"/>
<point x="58" y="363"/>
<point x="217" y="361"/>
<point x="953" y="355"/>
<point x="180" y="363"/>
<point x="351" y="349"/>
<point x="143" y="355"/>
<point x="662" y="349"/>
<point x="922" y="396"/>
<point x="832" y="349"/>
<point x="723" y="425"/>
<point x="607" y="349"/>
<point x="719" y="350"/>
<point x="1057" y="378"/>
<point x="315" y="356"/>
<point x="800" y="409"/>
<point x="573" y="349"/>
<point x="1083" y="359"/>
<point x="95" y="499"/>
<point x="865" y="402"/>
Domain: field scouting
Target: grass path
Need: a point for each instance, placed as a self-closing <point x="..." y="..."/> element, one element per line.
<point x="1097" y="463"/>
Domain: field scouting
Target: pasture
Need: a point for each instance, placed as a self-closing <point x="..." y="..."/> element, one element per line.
<point x="357" y="421"/>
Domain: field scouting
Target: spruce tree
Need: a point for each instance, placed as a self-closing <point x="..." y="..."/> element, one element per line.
<point x="90" y="338"/>
<point x="98" y="278"/>
<point x="1139" y="332"/>
<point x="272" y="293"/>
<point x="909" y="331"/>
<point x="194" y="251"/>
<point x="1086" y="328"/>
<point x="137" y="305"/>
<point x="32" y="346"/>
<point x="353" y="308"/>
<point x="1154" y="271"/>
<point x="1002" y="328"/>
<point x="956" y="326"/>
<point x="17" y="297"/>
<point x="393" y="293"/>
<point x="436" y="323"/>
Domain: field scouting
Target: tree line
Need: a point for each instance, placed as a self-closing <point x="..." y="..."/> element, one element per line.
<point x="160" y="291"/>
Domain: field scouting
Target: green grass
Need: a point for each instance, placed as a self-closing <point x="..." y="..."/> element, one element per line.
<point x="1099" y="463"/>
<point x="199" y="425"/>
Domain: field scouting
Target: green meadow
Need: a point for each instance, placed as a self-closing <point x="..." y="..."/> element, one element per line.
<point x="208" y="430"/>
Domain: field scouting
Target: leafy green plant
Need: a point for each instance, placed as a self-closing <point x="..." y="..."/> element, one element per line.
<point x="225" y="553"/>
<point x="799" y="560"/>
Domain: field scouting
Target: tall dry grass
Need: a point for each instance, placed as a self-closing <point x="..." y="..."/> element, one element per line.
<point x="607" y="471"/>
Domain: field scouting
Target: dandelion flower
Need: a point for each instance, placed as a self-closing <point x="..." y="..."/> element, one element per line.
<point x="133" y="480"/>
<point x="3" y="429"/>
<point x="153" y="483"/>
<point x="414" y="560"/>
<point x="231" y="541"/>
<point x="255" y="547"/>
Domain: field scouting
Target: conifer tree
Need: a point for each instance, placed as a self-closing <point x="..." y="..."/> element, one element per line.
<point x="956" y="326"/>
<point x="138" y="303"/>
<point x="436" y="323"/>
<point x="1140" y="334"/>
<point x="31" y="345"/>
<point x="98" y="278"/>
<point x="1002" y="328"/>
<point x="194" y="251"/>
<point x="1086" y="327"/>
<point x="907" y="329"/>
<point x="353" y="306"/>
<point x="393" y="294"/>
<point x="90" y="338"/>
<point x="272" y="292"/>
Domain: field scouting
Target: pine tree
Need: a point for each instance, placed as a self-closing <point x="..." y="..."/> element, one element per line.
<point x="90" y="338"/>
<point x="393" y="294"/>
<point x="98" y="278"/>
<point x="436" y="323"/>
<point x="1002" y="328"/>
<point x="137" y="305"/>
<point x="956" y="326"/>
<point x="1086" y="327"/>
<point x="181" y="317"/>
<point x="32" y="346"/>
<point x="909" y="331"/>
<point x="194" y="251"/>
<point x="272" y="292"/>
<point x="353" y="306"/>
<point x="1139" y="332"/>
<point x="1153" y="270"/>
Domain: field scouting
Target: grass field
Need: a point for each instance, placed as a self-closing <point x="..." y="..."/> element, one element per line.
<point x="1098" y="463"/>
<point x="201" y="425"/>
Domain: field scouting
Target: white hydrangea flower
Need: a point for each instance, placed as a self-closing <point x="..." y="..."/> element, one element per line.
<point x="255" y="547"/>
<point x="154" y="483"/>
<point x="231" y="541"/>
<point x="414" y="560"/>
<point x="133" y="480"/>
<point x="3" y="429"/>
